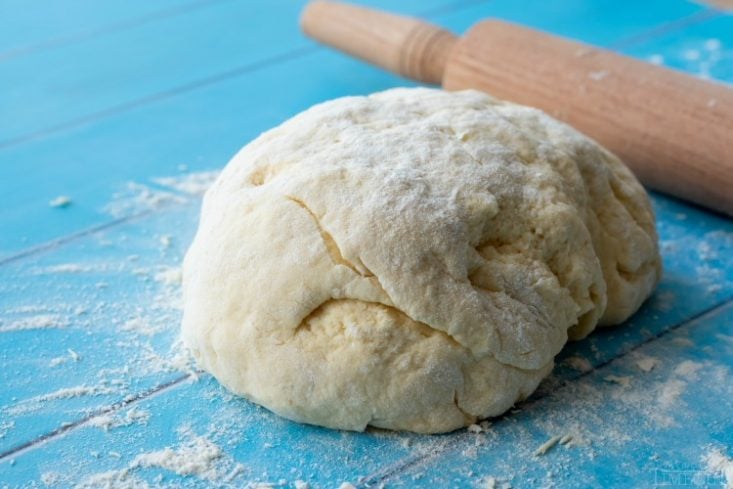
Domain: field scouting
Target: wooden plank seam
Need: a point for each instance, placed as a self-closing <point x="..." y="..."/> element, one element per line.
<point x="130" y="400"/>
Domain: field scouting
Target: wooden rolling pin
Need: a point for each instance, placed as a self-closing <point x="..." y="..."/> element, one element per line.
<point x="674" y="131"/>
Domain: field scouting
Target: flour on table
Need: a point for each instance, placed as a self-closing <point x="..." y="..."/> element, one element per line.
<point x="647" y="364"/>
<point x="190" y="183"/>
<point x="547" y="446"/>
<point x="60" y="201"/>
<point x="5" y="427"/>
<point x="196" y="457"/>
<point x="718" y="464"/>
<point x="71" y="357"/>
<point x="165" y="241"/>
<point x="141" y="326"/>
<point x="688" y="369"/>
<point x="67" y="268"/>
<point x="113" y="479"/>
<point x="50" y="478"/>
<point x="700" y="57"/>
<point x="38" y="402"/>
<point x="111" y="420"/>
<point x="579" y="363"/>
<point x="169" y="276"/>
<point x="42" y="321"/>
<point x="137" y="198"/>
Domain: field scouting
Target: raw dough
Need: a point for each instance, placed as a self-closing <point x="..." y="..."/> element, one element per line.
<point x="411" y="260"/>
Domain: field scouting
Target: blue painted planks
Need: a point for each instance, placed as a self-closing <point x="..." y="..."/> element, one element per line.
<point x="90" y="323"/>
<point x="705" y="50"/>
<point x="151" y="58"/>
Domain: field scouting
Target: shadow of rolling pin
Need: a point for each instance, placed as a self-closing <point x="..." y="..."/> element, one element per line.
<point x="674" y="131"/>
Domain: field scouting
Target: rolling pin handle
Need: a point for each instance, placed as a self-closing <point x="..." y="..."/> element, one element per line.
<point x="407" y="46"/>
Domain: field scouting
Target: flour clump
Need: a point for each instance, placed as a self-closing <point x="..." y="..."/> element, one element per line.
<point x="411" y="260"/>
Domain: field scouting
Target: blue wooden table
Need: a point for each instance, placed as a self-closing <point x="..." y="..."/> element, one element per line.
<point x="114" y="116"/>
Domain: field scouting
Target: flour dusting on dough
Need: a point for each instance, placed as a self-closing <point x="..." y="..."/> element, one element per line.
<point x="438" y="247"/>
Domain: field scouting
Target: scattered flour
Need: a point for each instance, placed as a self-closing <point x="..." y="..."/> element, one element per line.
<point x="177" y="359"/>
<point x="111" y="420"/>
<point x="237" y="470"/>
<point x="38" y="402"/>
<point x="482" y="427"/>
<point x="169" y="276"/>
<point x="70" y="392"/>
<point x="547" y="446"/>
<point x="50" y="478"/>
<point x="6" y="426"/>
<point x="579" y="363"/>
<point x="141" y="326"/>
<point x="113" y="479"/>
<point x="165" y="241"/>
<point x="197" y="456"/>
<point x="191" y="183"/>
<point x="688" y="369"/>
<point x="41" y="321"/>
<point x="66" y="268"/>
<point x="718" y="464"/>
<point x="72" y="356"/>
<point x="647" y="364"/>
<point x="664" y="301"/>
<point x="137" y="198"/>
<point x="488" y="482"/>
<point x="60" y="201"/>
<point x="669" y="392"/>
<point x="28" y="309"/>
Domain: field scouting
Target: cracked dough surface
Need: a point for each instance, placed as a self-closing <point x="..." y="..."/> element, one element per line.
<point x="411" y="260"/>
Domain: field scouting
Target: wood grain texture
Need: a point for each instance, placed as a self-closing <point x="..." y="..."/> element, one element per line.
<point x="407" y="46"/>
<point x="724" y="4"/>
<point x="672" y="129"/>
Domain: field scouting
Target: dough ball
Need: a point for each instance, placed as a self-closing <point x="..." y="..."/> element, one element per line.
<point x="411" y="260"/>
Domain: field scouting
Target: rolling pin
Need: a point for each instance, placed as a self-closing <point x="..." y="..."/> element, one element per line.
<point x="673" y="130"/>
